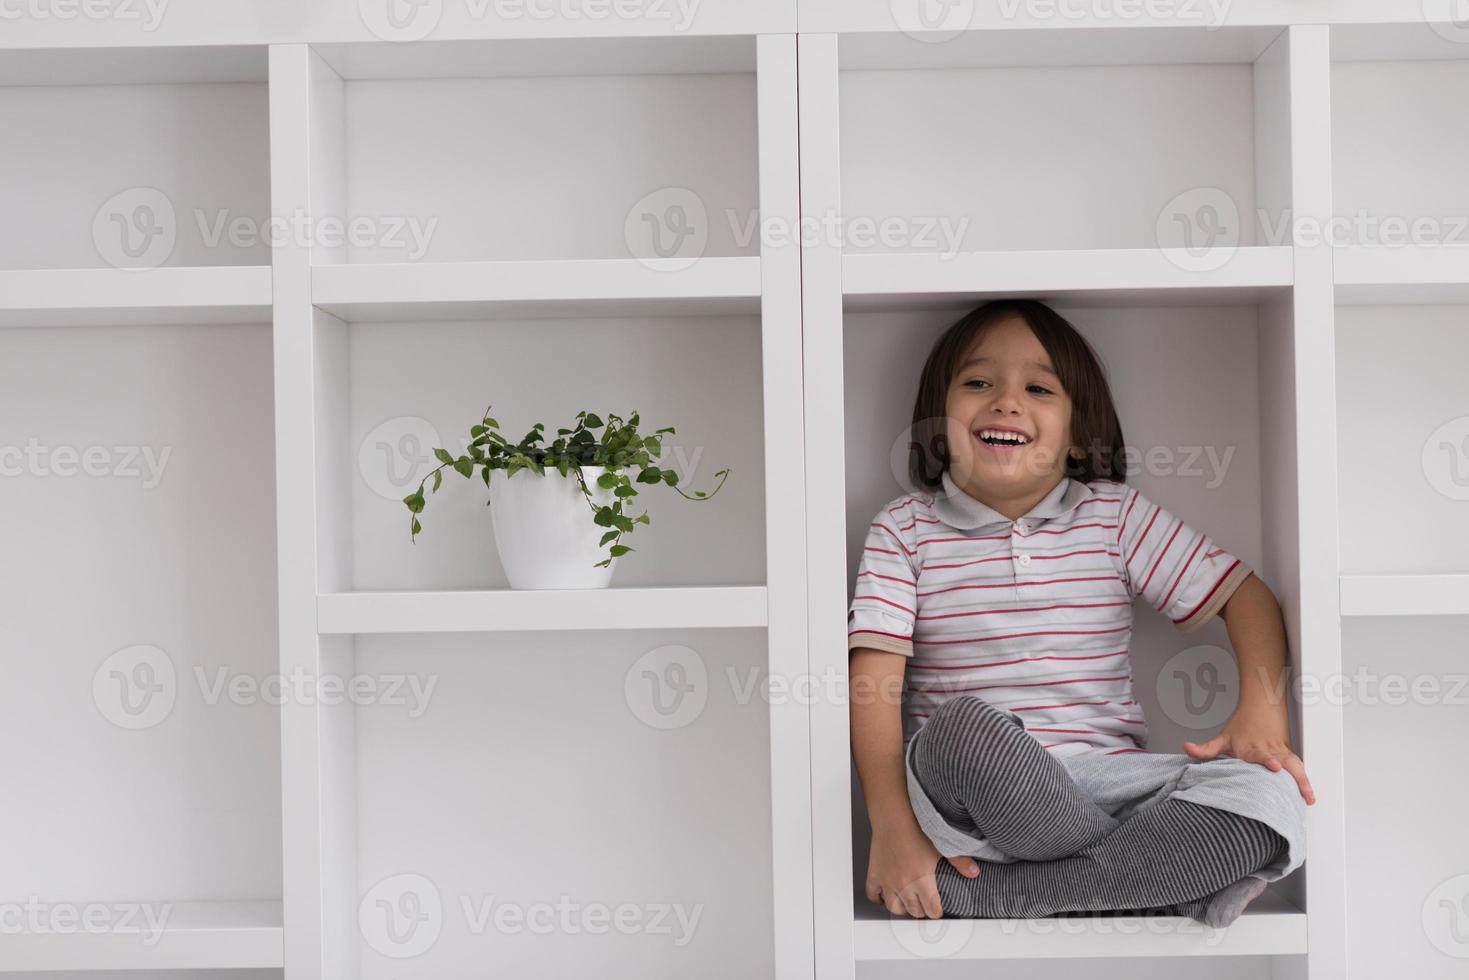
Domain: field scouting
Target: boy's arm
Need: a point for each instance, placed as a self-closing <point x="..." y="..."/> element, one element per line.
<point x="1259" y="729"/>
<point x="877" y="738"/>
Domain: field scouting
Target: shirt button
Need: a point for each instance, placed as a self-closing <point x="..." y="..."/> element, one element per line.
<point x="1025" y="559"/>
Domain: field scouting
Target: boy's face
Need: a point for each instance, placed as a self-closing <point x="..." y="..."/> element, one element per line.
<point x="1009" y="420"/>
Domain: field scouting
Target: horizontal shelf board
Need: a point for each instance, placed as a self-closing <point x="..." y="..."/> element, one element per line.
<point x="541" y="56"/>
<point x="194" y="936"/>
<point x="1270" y="926"/>
<point x="92" y="297"/>
<point x="503" y="610"/>
<point x="1405" y="595"/>
<point x="1142" y="276"/>
<point x="1410" y="274"/>
<point x="1096" y="25"/>
<point x="133" y="65"/>
<point x="715" y="285"/>
<point x="1094" y="45"/>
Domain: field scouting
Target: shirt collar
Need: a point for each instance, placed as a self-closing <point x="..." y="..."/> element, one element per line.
<point x="959" y="510"/>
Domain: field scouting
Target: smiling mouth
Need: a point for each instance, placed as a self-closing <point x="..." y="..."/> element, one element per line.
<point x="1002" y="438"/>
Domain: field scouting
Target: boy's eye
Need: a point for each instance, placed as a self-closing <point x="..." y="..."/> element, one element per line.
<point x="979" y="382"/>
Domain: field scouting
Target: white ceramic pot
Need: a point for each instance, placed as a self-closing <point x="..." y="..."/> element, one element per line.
<point x="544" y="531"/>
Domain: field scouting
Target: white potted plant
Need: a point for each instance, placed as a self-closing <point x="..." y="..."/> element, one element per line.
<point x="540" y="496"/>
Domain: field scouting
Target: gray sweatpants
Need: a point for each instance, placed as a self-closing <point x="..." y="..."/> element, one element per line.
<point x="1122" y="784"/>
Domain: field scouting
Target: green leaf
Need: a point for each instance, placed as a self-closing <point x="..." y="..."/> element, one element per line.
<point x="670" y="478"/>
<point x="608" y="480"/>
<point x="563" y="464"/>
<point x="486" y="473"/>
<point x="416" y="526"/>
<point x="438" y="480"/>
<point x="643" y="519"/>
<point x="476" y="431"/>
<point x="625" y="491"/>
<point x="608" y="537"/>
<point x="464" y="466"/>
<point x="414" y="501"/>
<point x="491" y="422"/>
<point x="593" y="422"/>
<point x="443" y="456"/>
<point x="619" y="550"/>
<point x="604" y="517"/>
<point x="622" y="523"/>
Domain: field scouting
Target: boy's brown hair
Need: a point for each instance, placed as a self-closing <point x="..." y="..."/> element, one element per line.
<point x="1095" y="429"/>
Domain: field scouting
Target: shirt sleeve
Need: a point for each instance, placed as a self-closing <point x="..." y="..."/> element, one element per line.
<point x="884" y="599"/>
<point x="1178" y="569"/>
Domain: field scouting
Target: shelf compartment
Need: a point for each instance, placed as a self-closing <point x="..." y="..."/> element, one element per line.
<point x="602" y="287"/>
<point x="1412" y="274"/>
<point x="1405" y="595"/>
<point x="547" y="609"/>
<point x="1094" y="276"/>
<point x="101" y="297"/>
<point x="1397" y="156"/>
<point x="536" y="149"/>
<point x="135" y="158"/>
<point x="1270" y="926"/>
<point x="196" y="936"/>
<point x="1184" y="133"/>
<point x="1414" y="450"/>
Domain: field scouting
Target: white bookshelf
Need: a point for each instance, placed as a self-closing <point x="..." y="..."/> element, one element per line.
<point x="1226" y="323"/>
<point x="667" y="607"/>
<point x="1402" y="294"/>
<point x="135" y="370"/>
<point x="541" y="296"/>
<point x="196" y="936"/>
<point x="1271" y="926"/>
<point x="1134" y="171"/>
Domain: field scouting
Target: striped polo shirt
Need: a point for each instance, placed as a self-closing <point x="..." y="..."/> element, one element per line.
<point x="1032" y="615"/>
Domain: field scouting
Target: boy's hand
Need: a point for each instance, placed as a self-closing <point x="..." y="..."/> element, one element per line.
<point x="900" y="874"/>
<point x="1261" y="735"/>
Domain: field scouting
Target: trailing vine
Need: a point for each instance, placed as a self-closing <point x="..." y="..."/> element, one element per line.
<point x="620" y="448"/>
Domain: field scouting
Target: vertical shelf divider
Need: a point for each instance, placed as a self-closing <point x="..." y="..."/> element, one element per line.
<point x="821" y="315"/>
<point x="1318" y="632"/>
<point x="785" y="507"/>
<point x="317" y="802"/>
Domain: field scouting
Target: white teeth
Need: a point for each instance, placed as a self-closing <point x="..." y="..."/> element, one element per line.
<point x="1013" y="438"/>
